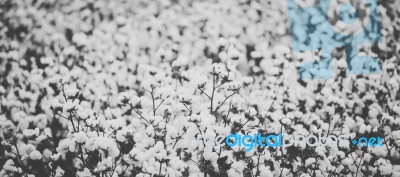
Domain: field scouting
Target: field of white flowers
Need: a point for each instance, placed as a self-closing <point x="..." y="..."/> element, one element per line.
<point x="150" y="88"/>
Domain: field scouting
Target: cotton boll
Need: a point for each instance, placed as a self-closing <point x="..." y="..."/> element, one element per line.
<point x="47" y="132"/>
<point x="320" y="150"/>
<point x="181" y="61"/>
<point x="56" y="104"/>
<point x="31" y="133"/>
<point x="80" y="137"/>
<point x="85" y="173"/>
<point x="10" y="166"/>
<point x="367" y="157"/>
<point x="310" y="161"/>
<point x="386" y="169"/>
<point x="80" y="39"/>
<point x="63" y="146"/>
<point x="35" y="155"/>
<point x="286" y="121"/>
<point x="71" y="92"/>
<point x="238" y="166"/>
<point x="380" y="151"/>
<point x="121" y="136"/>
<point x="69" y="106"/>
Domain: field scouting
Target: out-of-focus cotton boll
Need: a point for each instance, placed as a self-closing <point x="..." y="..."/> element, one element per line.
<point x="35" y="155"/>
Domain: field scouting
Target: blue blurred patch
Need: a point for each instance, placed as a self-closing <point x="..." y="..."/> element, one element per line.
<point x="312" y="30"/>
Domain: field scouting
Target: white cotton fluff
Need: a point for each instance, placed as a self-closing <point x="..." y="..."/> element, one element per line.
<point x="10" y="166"/>
<point x="386" y="169"/>
<point x="181" y="61"/>
<point x="35" y="155"/>
<point x="121" y="135"/>
<point x="347" y="161"/>
<point x="80" y="38"/>
<point x="222" y="42"/>
<point x="85" y="173"/>
<point x="69" y="106"/>
<point x="320" y="150"/>
<point x="71" y="92"/>
<point x="310" y="161"/>
<point x="80" y="137"/>
<point x="59" y="172"/>
<point x="238" y="166"/>
<point x="367" y="157"/>
<point x="31" y="132"/>
<point x="56" y="104"/>
<point x="286" y="121"/>
<point x="47" y="132"/>
<point x="380" y="151"/>
<point x="63" y="146"/>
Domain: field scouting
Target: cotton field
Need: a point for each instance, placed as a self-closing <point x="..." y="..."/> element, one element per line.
<point x="153" y="88"/>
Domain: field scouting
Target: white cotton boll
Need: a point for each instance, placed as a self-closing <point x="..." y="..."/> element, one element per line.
<point x="80" y="137"/>
<point x="85" y="173"/>
<point x="55" y="157"/>
<point x="71" y="92"/>
<point x="35" y="155"/>
<point x="367" y="157"/>
<point x="210" y="156"/>
<point x="238" y="166"/>
<point x="78" y="164"/>
<point x="47" y="132"/>
<point x="102" y="143"/>
<point x="181" y="61"/>
<point x="41" y="138"/>
<point x="9" y="165"/>
<point x="80" y="39"/>
<point x="82" y="114"/>
<point x="56" y="104"/>
<point x="222" y="42"/>
<point x="233" y="173"/>
<point x="362" y="129"/>
<point x="47" y="154"/>
<point x="310" y="161"/>
<point x="320" y="150"/>
<point x="347" y="161"/>
<point x="286" y="121"/>
<point x="344" y="144"/>
<point x="113" y="151"/>
<point x="108" y="114"/>
<point x="340" y="154"/>
<point x="120" y="136"/>
<point x="26" y="149"/>
<point x="379" y="151"/>
<point x="72" y="146"/>
<point x="342" y="64"/>
<point x="386" y="169"/>
<point x="150" y="130"/>
<point x="264" y="171"/>
<point x="134" y="100"/>
<point x="172" y="132"/>
<point x="63" y="146"/>
<point x="368" y="128"/>
<point x="69" y="106"/>
<point x="30" y="132"/>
